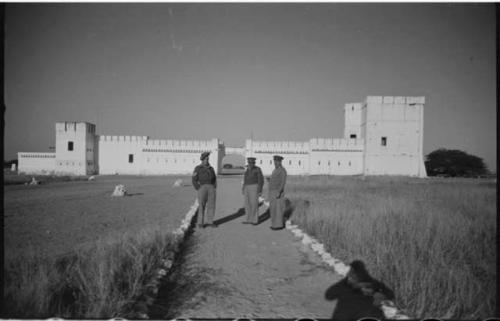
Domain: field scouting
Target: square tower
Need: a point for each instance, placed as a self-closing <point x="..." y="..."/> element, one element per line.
<point x="353" y="119"/>
<point x="394" y="136"/>
<point x="75" y="148"/>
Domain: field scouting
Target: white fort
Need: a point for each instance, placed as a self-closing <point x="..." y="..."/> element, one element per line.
<point x="382" y="136"/>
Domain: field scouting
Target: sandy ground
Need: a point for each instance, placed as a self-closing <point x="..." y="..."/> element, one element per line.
<point x="57" y="217"/>
<point x="246" y="271"/>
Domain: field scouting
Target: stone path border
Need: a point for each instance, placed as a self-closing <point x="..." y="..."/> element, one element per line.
<point x="388" y="307"/>
<point x="179" y="235"/>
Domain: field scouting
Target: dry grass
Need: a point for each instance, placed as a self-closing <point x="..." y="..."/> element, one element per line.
<point x="101" y="282"/>
<point x="431" y="240"/>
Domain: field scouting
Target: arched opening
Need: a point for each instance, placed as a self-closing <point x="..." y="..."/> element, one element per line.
<point x="233" y="164"/>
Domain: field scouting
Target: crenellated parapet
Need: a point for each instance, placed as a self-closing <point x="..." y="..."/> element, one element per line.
<point x="276" y="147"/>
<point x="396" y="100"/>
<point x="336" y="144"/>
<point x="122" y="139"/>
<point x="36" y="155"/>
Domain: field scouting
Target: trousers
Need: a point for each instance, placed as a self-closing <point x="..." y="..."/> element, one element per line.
<point x="206" y="204"/>
<point x="277" y="209"/>
<point x="251" y="203"/>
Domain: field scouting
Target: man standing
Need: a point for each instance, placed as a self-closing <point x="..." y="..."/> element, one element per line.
<point x="205" y="182"/>
<point x="277" y="194"/>
<point x="253" y="181"/>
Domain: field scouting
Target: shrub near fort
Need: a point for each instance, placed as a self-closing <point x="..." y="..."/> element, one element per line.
<point x="431" y="240"/>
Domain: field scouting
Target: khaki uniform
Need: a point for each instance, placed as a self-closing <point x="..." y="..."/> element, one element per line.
<point x="276" y="197"/>
<point x="253" y="181"/>
<point x="205" y="182"/>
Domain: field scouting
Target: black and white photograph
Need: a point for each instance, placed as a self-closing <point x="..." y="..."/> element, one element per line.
<point x="249" y="160"/>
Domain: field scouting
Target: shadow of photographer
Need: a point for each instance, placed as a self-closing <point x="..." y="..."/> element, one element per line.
<point x="358" y="295"/>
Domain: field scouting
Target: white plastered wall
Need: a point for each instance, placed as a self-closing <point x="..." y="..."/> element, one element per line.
<point x="336" y="156"/>
<point x="152" y="156"/>
<point x="114" y="151"/>
<point x="295" y="155"/>
<point x="400" y="121"/>
<point x="73" y="162"/>
<point x="36" y="163"/>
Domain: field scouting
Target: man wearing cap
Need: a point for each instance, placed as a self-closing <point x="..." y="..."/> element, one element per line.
<point x="277" y="194"/>
<point x="253" y="181"/>
<point x="205" y="182"/>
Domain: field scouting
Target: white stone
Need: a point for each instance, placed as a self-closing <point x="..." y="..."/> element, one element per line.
<point x="341" y="268"/>
<point x="119" y="190"/>
<point x="326" y="256"/>
<point x="13" y="167"/>
<point x="306" y="240"/>
<point x="91" y="178"/>
<point x="178" y="183"/>
<point x="389" y="312"/>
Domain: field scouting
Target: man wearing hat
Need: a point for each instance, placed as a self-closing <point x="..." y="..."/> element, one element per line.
<point x="253" y="181"/>
<point x="205" y="182"/>
<point x="277" y="194"/>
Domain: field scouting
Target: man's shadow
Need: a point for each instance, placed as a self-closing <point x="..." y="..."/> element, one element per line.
<point x="358" y="295"/>
<point x="230" y="217"/>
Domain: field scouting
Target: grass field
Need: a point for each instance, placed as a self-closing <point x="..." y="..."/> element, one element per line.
<point x="73" y="251"/>
<point x="433" y="241"/>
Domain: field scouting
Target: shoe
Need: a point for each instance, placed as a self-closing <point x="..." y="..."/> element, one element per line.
<point x="276" y="228"/>
<point x="200" y="225"/>
<point x="246" y="222"/>
<point x="255" y="224"/>
<point x="211" y="225"/>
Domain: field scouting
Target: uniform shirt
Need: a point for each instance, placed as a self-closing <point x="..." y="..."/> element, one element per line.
<point x="254" y="176"/>
<point x="278" y="180"/>
<point x="204" y="175"/>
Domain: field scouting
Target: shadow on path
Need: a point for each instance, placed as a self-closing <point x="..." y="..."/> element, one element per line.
<point x="358" y="295"/>
<point x="230" y="217"/>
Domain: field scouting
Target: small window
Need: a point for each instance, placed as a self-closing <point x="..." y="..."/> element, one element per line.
<point x="70" y="146"/>
<point x="261" y="161"/>
<point x="319" y="163"/>
<point x="130" y="158"/>
<point x="299" y="162"/>
<point x="328" y="163"/>
<point x="349" y="163"/>
<point x="270" y="162"/>
<point x="384" y="141"/>
<point x="289" y="162"/>
<point x="353" y="136"/>
<point x="338" y="163"/>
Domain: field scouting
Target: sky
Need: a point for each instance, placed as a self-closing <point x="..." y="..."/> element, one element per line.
<point x="232" y="71"/>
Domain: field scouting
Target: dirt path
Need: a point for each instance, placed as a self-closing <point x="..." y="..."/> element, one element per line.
<point x="246" y="271"/>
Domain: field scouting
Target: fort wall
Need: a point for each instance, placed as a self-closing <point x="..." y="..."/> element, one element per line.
<point x="36" y="163"/>
<point x="382" y="136"/>
<point x="394" y="131"/>
<point x="139" y="155"/>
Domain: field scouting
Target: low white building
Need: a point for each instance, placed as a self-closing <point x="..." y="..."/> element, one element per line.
<point x="382" y="136"/>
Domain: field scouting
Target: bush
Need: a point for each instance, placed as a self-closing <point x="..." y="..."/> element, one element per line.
<point x="444" y="162"/>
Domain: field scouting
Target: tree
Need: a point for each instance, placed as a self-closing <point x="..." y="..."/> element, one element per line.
<point x="452" y="162"/>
